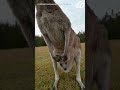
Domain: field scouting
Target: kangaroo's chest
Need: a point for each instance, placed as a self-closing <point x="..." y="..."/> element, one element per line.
<point x="54" y="29"/>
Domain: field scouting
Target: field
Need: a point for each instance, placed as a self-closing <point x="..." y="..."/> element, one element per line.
<point x="44" y="74"/>
<point x="16" y="69"/>
<point x="115" y="65"/>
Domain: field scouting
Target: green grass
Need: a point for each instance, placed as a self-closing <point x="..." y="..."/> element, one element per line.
<point x="44" y="74"/>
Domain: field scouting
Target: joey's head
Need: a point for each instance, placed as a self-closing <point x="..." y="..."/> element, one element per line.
<point x="63" y="62"/>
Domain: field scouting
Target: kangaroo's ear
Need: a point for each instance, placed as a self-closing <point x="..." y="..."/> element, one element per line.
<point x="57" y="58"/>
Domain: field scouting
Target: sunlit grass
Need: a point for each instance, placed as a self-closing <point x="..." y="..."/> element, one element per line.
<point x="44" y="74"/>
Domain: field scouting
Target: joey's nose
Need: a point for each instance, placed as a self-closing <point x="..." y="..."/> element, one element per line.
<point x="60" y="64"/>
<point x="65" y="68"/>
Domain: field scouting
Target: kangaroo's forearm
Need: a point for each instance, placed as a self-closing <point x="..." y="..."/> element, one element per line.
<point x="67" y="42"/>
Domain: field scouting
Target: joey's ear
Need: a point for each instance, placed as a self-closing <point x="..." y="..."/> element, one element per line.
<point x="57" y="58"/>
<point x="64" y="58"/>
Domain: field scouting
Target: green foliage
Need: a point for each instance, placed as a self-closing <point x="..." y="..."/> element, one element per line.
<point x="11" y="36"/>
<point x="39" y="41"/>
<point x="81" y="35"/>
<point x="112" y="23"/>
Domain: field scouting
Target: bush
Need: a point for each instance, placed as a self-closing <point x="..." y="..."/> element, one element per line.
<point x="39" y="41"/>
<point x="112" y="23"/>
<point x="81" y="35"/>
<point x="11" y="36"/>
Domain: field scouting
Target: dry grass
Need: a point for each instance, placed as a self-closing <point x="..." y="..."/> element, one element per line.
<point x="44" y="75"/>
<point x="115" y="65"/>
<point x="16" y="69"/>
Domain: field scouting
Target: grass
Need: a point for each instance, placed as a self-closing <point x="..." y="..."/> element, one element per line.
<point x="115" y="65"/>
<point x="44" y="74"/>
<point x="16" y="69"/>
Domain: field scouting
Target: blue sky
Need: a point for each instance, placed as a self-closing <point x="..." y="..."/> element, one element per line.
<point x="75" y="13"/>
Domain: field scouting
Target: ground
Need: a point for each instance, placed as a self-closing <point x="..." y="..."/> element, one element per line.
<point x="44" y="74"/>
<point x="115" y="65"/>
<point x="17" y="69"/>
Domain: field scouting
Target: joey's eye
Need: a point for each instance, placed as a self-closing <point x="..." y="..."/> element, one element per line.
<point x="60" y="64"/>
<point x="65" y="62"/>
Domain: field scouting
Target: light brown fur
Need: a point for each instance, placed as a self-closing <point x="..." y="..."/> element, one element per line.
<point x="54" y="25"/>
<point x="63" y="44"/>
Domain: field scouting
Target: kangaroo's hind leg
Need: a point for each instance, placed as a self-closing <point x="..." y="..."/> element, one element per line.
<point x="78" y="76"/>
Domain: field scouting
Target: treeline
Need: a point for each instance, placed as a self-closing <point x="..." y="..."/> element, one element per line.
<point x="112" y="23"/>
<point x="11" y="36"/>
<point x="39" y="41"/>
<point x="81" y="35"/>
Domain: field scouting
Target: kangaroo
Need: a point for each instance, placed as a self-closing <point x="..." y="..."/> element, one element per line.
<point x="62" y="42"/>
<point x="98" y="54"/>
<point x="24" y="11"/>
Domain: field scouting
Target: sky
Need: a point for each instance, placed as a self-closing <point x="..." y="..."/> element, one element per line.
<point x="75" y="11"/>
<point x="101" y="6"/>
<point x="6" y="14"/>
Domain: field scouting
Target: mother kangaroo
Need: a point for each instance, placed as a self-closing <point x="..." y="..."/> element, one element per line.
<point x="63" y="44"/>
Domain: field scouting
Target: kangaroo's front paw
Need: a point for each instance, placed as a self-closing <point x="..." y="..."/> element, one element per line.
<point x="57" y="58"/>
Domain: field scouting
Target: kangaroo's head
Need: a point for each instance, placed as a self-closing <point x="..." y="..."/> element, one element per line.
<point x="44" y="1"/>
<point x="47" y="6"/>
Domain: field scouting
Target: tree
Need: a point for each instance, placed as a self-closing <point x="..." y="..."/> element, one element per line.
<point x="39" y="41"/>
<point x="11" y="36"/>
<point x="112" y="23"/>
<point x="81" y="35"/>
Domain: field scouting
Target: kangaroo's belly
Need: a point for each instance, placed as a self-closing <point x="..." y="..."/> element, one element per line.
<point x="57" y="38"/>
